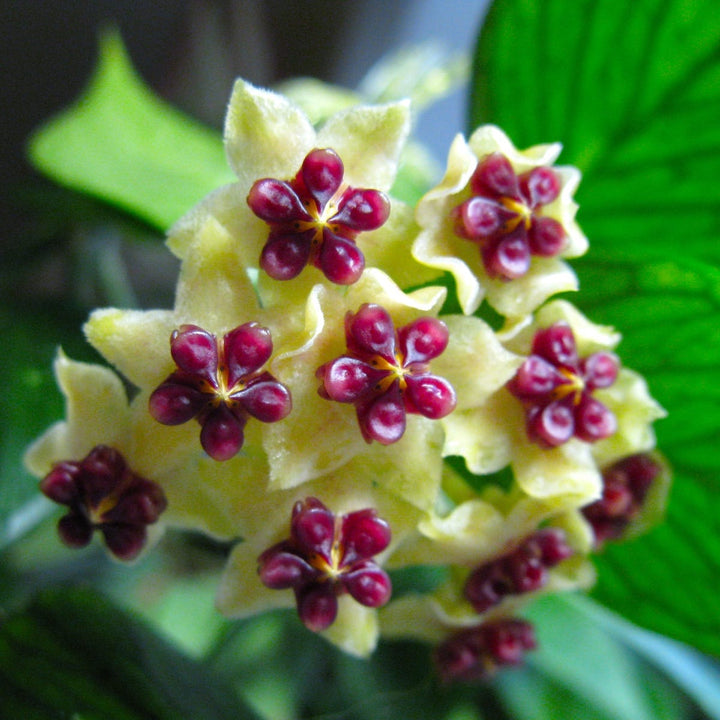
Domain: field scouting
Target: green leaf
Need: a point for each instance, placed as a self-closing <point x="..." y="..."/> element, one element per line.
<point x="30" y="404"/>
<point x="632" y="91"/>
<point x="71" y="653"/>
<point x="580" y="670"/>
<point x="668" y="313"/>
<point x="122" y="144"/>
<point x="697" y="675"/>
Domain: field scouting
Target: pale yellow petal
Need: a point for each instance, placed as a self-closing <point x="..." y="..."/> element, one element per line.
<point x="265" y="135"/>
<point x="136" y="342"/>
<point x="635" y="410"/>
<point x="96" y="413"/>
<point x="356" y="628"/>
<point x="474" y="362"/>
<point x="368" y="139"/>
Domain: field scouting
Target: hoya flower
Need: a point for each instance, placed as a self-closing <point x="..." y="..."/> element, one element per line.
<point x="495" y="566"/>
<point x="323" y="556"/>
<point x="302" y="195"/>
<point x="103" y="493"/>
<point x="222" y="384"/>
<point x="476" y="653"/>
<point x="385" y="373"/>
<point x="319" y="436"/>
<point x="557" y="387"/>
<point x="206" y="358"/>
<point x="499" y="431"/>
<point x="524" y="569"/>
<point x="315" y="218"/>
<point x="500" y="221"/>
<point x="100" y="463"/>
<point x="633" y="498"/>
<point x="327" y="556"/>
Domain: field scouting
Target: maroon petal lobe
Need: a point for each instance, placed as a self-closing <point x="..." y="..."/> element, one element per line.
<point x="75" y="530"/>
<point x="142" y="505"/>
<point x="322" y="172"/>
<point x="370" y="331"/>
<point x="479" y="218"/>
<point x="539" y="186"/>
<point x="551" y="545"/>
<point x="174" y="404"/>
<point x="267" y="400"/>
<point x="364" y="534"/>
<point x="275" y="202"/>
<point x="247" y="348"/>
<point x="222" y="434"/>
<point x="313" y="530"/>
<point x="495" y="176"/>
<point x="535" y="379"/>
<point x="317" y="606"/>
<point x="60" y="484"/>
<point x="423" y="340"/>
<point x="194" y="351"/>
<point x="508" y="640"/>
<point x="546" y="237"/>
<point x="431" y="396"/>
<point x="124" y="541"/>
<point x="552" y="425"/>
<point x="368" y="584"/>
<point x="348" y="379"/>
<point x="100" y="474"/>
<point x="593" y="421"/>
<point x="487" y="586"/>
<point x="509" y="258"/>
<point x="527" y="573"/>
<point x="362" y="210"/>
<point x="286" y="254"/>
<point x="557" y="345"/>
<point x="340" y="259"/>
<point x="383" y="419"/>
<point x="600" y="370"/>
<point x="285" y="570"/>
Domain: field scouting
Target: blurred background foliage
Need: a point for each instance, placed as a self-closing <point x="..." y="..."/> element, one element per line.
<point x="633" y="92"/>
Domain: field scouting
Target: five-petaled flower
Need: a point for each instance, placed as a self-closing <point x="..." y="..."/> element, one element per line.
<point x="327" y="556"/>
<point x="476" y="652"/>
<point x="626" y="484"/>
<point x="314" y="218"/>
<point x="523" y="570"/>
<point x="103" y="493"/>
<point x="385" y="373"/>
<point x="556" y="387"/>
<point x="504" y="216"/>
<point x="221" y="385"/>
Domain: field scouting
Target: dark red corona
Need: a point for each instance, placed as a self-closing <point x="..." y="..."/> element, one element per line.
<point x="325" y="557"/>
<point x="315" y="218"/>
<point x="221" y="384"/>
<point x="104" y="494"/>
<point x="504" y="216"/>
<point x="556" y="387"/>
<point x="386" y="373"/>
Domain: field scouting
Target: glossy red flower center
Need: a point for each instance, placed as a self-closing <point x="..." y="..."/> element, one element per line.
<point x="386" y="372"/>
<point x="556" y="387"/>
<point x="221" y="384"/>
<point x="315" y="218"/>
<point x="325" y="557"/>
<point x="504" y="216"/>
<point x="103" y="493"/>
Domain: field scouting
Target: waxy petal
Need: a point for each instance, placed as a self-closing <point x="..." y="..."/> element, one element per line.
<point x="265" y="135"/>
<point x="369" y="140"/>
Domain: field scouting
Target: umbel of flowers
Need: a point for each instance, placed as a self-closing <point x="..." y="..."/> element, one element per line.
<point x="309" y="393"/>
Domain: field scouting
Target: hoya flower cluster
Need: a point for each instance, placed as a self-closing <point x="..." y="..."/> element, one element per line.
<point x="310" y="393"/>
